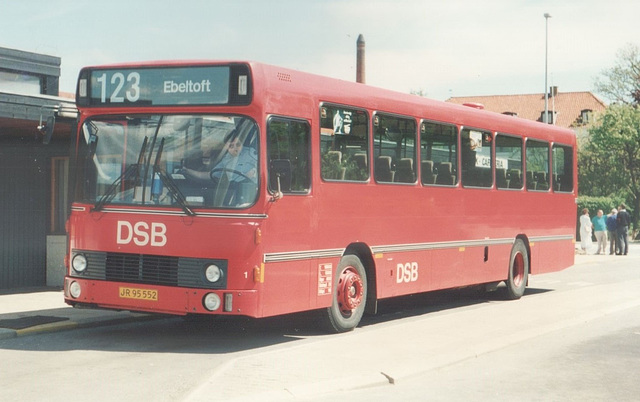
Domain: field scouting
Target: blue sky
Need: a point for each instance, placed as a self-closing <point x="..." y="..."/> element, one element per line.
<point x="442" y="48"/>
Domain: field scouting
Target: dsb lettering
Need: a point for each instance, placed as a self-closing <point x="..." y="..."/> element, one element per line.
<point x="407" y="272"/>
<point x="141" y="233"/>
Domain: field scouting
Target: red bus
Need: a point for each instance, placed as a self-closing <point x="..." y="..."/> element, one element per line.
<point x="238" y="188"/>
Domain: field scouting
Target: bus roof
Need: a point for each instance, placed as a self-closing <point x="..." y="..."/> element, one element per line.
<point x="270" y="78"/>
<point x="383" y="100"/>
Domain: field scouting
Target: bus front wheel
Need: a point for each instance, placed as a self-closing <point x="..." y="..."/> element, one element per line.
<point x="349" y="296"/>
<point x="518" y="270"/>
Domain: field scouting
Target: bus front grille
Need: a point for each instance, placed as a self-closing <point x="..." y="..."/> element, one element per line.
<point x="141" y="268"/>
<point x="150" y="269"/>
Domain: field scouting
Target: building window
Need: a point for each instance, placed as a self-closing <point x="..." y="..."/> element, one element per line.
<point x="20" y="83"/>
<point x="551" y="117"/>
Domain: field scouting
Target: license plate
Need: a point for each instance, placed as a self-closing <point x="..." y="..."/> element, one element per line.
<point x="139" y="294"/>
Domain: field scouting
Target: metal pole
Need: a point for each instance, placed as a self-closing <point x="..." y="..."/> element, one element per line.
<point x="546" y="52"/>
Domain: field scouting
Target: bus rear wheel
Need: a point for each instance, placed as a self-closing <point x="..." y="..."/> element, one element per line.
<point x="349" y="296"/>
<point x="518" y="270"/>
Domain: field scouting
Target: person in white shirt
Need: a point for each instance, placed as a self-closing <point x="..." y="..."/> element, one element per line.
<point x="585" y="230"/>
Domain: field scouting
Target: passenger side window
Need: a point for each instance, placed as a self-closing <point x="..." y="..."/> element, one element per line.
<point x="476" y="158"/>
<point x="288" y="147"/>
<point x="508" y="162"/>
<point x="394" y="149"/>
<point x="438" y="154"/>
<point x="344" y="144"/>
<point x="562" y="179"/>
<point x="537" y="166"/>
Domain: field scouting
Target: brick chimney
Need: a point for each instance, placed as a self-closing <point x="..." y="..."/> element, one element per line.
<point x="360" y="76"/>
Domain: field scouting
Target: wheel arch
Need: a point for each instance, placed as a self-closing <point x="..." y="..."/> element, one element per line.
<point x="364" y="253"/>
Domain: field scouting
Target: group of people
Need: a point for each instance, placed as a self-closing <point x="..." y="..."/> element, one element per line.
<point x="614" y="226"/>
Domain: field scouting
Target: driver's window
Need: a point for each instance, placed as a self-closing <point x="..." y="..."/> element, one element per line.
<point x="288" y="147"/>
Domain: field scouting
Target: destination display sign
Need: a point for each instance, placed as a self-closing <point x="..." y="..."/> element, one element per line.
<point x="164" y="86"/>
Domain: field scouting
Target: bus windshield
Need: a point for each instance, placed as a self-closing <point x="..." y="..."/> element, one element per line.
<point x="185" y="161"/>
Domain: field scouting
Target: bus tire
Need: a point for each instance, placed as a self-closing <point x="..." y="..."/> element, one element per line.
<point x="518" y="270"/>
<point x="349" y="296"/>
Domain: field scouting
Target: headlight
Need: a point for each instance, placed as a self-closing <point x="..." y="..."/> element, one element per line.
<point x="211" y="302"/>
<point x="79" y="262"/>
<point x="213" y="273"/>
<point x="75" y="290"/>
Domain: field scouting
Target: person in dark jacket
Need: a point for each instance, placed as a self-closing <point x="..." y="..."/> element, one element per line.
<point x="614" y="247"/>
<point x="623" y="221"/>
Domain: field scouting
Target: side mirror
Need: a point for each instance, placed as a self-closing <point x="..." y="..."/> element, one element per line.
<point x="47" y="129"/>
<point x="92" y="139"/>
<point x="280" y="176"/>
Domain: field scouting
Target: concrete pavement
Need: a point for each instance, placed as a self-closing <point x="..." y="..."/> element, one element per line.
<point x="42" y="311"/>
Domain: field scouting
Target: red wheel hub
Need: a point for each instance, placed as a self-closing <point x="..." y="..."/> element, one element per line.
<point x="518" y="270"/>
<point x="350" y="290"/>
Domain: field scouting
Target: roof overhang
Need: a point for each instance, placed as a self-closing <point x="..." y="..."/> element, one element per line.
<point x="20" y="115"/>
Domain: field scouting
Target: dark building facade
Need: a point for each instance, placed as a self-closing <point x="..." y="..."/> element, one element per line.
<point x="33" y="175"/>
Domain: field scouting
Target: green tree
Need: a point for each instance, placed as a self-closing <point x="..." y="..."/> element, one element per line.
<point x="599" y="175"/>
<point x="613" y="151"/>
<point x="621" y="83"/>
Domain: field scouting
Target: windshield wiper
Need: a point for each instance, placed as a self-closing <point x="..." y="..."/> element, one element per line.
<point x="129" y="172"/>
<point x="169" y="183"/>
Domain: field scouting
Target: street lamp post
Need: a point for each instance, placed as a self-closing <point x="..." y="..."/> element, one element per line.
<point x="546" y="52"/>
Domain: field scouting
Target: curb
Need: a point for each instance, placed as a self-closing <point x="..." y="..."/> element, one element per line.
<point x="6" y="333"/>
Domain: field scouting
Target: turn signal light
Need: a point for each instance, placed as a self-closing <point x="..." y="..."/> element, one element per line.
<point x="258" y="274"/>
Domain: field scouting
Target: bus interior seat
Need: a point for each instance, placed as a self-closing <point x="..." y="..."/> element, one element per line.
<point x="560" y="183"/>
<point x="404" y="171"/>
<point x="428" y="176"/>
<point x="383" y="169"/>
<point x="531" y="183"/>
<point x="361" y="160"/>
<point x="501" y="178"/>
<point x="541" y="179"/>
<point x="445" y="176"/>
<point x="335" y="158"/>
<point x="564" y="182"/>
<point x="515" y="178"/>
<point x="477" y="177"/>
<point x="486" y="180"/>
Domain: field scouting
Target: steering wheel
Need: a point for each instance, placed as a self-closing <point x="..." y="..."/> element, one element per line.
<point x="224" y="169"/>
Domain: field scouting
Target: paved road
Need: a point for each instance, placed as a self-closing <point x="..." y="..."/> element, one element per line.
<point x="574" y="335"/>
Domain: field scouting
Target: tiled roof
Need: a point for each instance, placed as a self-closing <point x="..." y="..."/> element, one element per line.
<point x="568" y="105"/>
